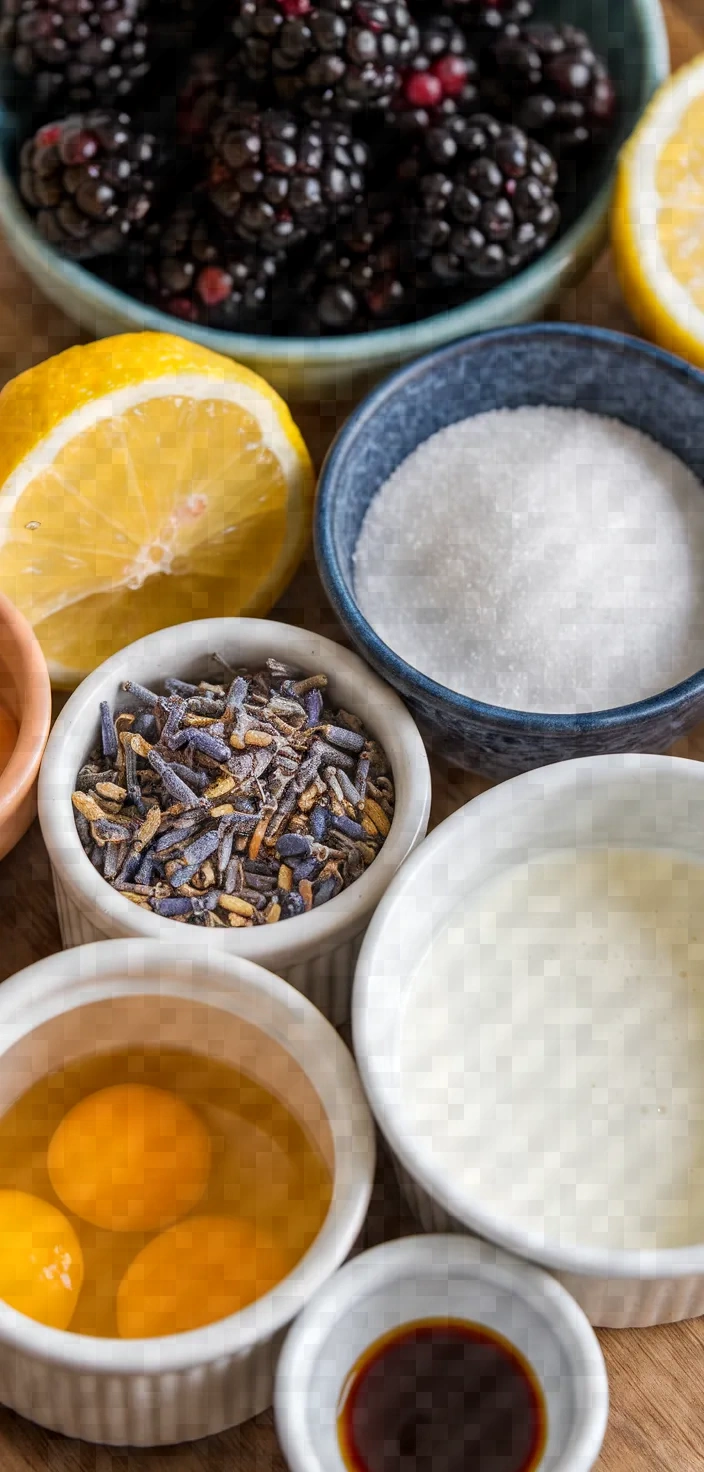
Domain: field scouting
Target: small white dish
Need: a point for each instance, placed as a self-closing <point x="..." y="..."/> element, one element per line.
<point x="317" y="951"/>
<point x="428" y="1278"/>
<point x="628" y="802"/>
<point x="92" y="1000"/>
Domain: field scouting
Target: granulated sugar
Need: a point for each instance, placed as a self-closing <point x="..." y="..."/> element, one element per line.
<point x="542" y="559"/>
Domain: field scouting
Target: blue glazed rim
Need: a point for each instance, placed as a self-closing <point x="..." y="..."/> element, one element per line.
<point x="515" y="297"/>
<point x="404" y="676"/>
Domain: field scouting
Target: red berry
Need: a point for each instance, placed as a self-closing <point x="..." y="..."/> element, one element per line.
<point x="219" y="173"/>
<point x="368" y="18"/>
<point x="48" y="137"/>
<point x="213" y="286"/>
<point x="295" y="7"/>
<point x="423" y="89"/>
<point x="451" y="72"/>
<point x="179" y="306"/>
<point x="603" y="101"/>
<point x="78" y="147"/>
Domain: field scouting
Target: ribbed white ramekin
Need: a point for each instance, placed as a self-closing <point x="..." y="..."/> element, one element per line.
<point x="632" y="802"/>
<point x="157" y="1391"/>
<point x="316" y="952"/>
<point x="437" y="1277"/>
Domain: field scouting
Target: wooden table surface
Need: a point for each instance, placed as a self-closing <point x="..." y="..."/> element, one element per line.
<point x="656" y="1375"/>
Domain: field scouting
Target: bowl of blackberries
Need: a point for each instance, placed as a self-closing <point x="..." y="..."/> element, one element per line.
<point x="320" y="188"/>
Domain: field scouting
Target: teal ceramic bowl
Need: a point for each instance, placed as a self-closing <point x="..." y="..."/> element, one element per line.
<point x="630" y="33"/>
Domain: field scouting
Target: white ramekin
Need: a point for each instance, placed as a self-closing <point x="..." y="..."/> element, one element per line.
<point x="436" y="1277"/>
<point x="652" y="802"/>
<point x="97" y="998"/>
<point x="316" y="952"/>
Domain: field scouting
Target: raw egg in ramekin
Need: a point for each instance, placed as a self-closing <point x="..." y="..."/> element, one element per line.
<point x="144" y="1387"/>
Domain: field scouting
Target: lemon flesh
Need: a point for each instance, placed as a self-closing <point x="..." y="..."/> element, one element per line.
<point x="679" y="181"/>
<point x="142" y="488"/>
<point x="658" y="213"/>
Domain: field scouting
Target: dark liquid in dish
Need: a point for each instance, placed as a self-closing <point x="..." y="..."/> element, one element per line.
<point x="442" y="1395"/>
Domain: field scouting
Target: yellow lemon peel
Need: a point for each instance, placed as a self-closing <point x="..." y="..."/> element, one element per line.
<point x="145" y="481"/>
<point x="658" y="207"/>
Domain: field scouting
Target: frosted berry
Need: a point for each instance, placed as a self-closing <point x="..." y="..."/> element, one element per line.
<point x="333" y="57"/>
<point x="550" y="81"/>
<point x="79" y="52"/>
<point x="196" y="273"/>
<point x="441" y="80"/>
<point x="275" y="181"/>
<point x="90" y="182"/>
<point x="482" y="203"/>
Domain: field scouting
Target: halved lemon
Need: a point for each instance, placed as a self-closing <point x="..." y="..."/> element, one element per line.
<point x="145" y="481"/>
<point x="658" y="216"/>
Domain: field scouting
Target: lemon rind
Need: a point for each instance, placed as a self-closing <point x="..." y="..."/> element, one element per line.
<point x="111" y="406"/>
<point x="639" y="203"/>
<point x="275" y="428"/>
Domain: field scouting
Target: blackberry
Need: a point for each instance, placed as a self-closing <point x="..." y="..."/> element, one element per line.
<point x="201" y="96"/>
<point x="276" y="181"/>
<point x="487" y="20"/>
<point x="483" y="203"/>
<point x="77" y="52"/>
<point x="172" y="23"/>
<point x="550" y="82"/>
<point x="441" y="80"/>
<point x="212" y="85"/>
<point x="356" y="280"/>
<point x="89" y="181"/>
<point x="336" y="56"/>
<point x="194" y="272"/>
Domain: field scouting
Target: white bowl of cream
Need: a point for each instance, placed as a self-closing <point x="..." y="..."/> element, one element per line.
<point x="529" y="1023"/>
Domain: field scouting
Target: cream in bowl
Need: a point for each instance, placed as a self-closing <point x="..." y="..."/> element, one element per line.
<point x="446" y="1353"/>
<point x="185" y="1156"/>
<point x="533" y="1043"/>
<point x="606" y="946"/>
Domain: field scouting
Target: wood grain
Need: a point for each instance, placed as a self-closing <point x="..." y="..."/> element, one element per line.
<point x="656" y="1375"/>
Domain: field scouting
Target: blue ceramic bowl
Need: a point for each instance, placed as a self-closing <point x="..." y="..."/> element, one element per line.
<point x="630" y="33"/>
<point x="571" y="367"/>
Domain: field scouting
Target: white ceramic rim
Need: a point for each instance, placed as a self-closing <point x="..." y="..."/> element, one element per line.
<point x="315" y="931"/>
<point x="38" y="993"/>
<point x="596" y="1262"/>
<point x="360" y="1279"/>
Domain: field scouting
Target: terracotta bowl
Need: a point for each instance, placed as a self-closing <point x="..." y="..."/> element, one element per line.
<point x="24" y="691"/>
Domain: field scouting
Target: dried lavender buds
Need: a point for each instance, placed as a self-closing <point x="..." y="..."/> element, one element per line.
<point x="233" y="805"/>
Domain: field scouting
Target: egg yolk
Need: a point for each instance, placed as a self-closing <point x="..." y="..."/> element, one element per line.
<point x="195" y="1273"/>
<point x="8" y="736"/>
<point x="130" y="1158"/>
<point x="41" y="1262"/>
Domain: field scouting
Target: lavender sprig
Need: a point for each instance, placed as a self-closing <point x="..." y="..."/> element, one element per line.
<point x="236" y="804"/>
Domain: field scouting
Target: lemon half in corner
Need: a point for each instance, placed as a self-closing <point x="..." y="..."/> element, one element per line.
<point x="145" y="481"/>
<point x="658" y="213"/>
